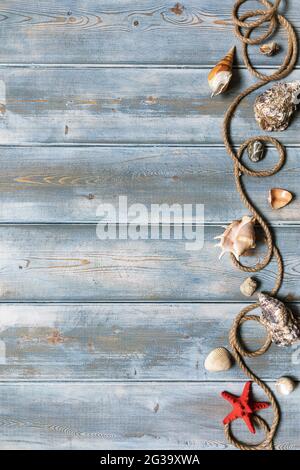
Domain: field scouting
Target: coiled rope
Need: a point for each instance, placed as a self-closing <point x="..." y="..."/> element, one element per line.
<point x="243" y="30"/>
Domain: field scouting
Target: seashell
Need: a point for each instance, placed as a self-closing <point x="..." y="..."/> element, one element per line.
<point x="279" y="198"/>
<point x="220" y="76"/>
<point x="218" y="359"/>
<point x="270" y="48"/>
<point x="279" y="321"/>
<point x="274" y="108"/>
<point x="238" y="237"/>
<point x="256" y="151"/>
<point x="248" y="287"/>
<point x="285" y="385"/>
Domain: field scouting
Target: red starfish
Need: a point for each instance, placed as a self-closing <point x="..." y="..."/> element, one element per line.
<point x="243" y="406"/>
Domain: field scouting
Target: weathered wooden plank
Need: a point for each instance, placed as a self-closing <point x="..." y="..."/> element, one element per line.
<point x="122" y="106"/>
<point x="114" y="31"/>
<point x="128" y="416"/>
<point x="126" y="342"/>
<point x="70" y="263"/>
<point x="68" y="184"/>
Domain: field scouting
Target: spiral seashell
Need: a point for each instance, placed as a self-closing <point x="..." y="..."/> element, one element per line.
<point x="269" y="49"/>
<point x="218" y="359"/>
<point x="279" y="321"/>
<point x="220" y="76"/>
<point x="238" y="237"/>
<point x="279" y="198"/>
<point x="274" y="108"/>
<point x="285" y="385"/>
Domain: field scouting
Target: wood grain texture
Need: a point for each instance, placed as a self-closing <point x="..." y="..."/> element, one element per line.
<point x="127" y="416"/>
<point x="69" y="263"/>
<point x="118" y="31"/>
<point x="68" y="184"/>
<point x="75" y="373"/>
<point x="122" y="106"/>
<point x="127" y="342"/>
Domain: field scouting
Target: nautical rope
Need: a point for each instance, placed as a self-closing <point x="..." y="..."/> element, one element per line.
<point x="243" y="30"/>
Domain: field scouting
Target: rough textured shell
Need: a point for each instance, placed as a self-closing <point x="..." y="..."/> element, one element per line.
<point x="270" y="48"/>
<point x="279" y="321"/>
<point x="248" y="287"/>
<point x="274" y="108"/>
<point x="279" y="198"/>
<point x="285" y="385"/>
<point x="238" y="237"/>
<point x="218" y="359"/>
<point x="220" y="76"/>
<point x="256" y="151"/>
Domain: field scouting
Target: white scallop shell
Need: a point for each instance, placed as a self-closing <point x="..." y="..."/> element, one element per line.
<point x="218" y="359"/>
<point x="285" y="385"/>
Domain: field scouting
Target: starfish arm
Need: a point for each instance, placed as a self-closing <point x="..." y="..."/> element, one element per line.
<point x="259" y="405"/>
<point x="246" y="392"/>
<point x="230" y="417"/>
<point x="229" y="397"/>
<point x="249" y="424"/>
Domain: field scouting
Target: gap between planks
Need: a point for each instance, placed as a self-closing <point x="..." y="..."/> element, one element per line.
<point x="123" y="145"/>
<point x="222" y="224"/>
<point x="122" y="381"/>
<point x="128" y="302"/>
<point x="151" y="302"/>
<point x="128" y="66"/>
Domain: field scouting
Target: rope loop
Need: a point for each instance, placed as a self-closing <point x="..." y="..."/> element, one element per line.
<point x="265" y="15"/>
<point x="265" y="445"/>
<point x="243" y="30"/>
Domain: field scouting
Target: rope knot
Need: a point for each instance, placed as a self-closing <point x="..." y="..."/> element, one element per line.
<point x="268" y="15"/>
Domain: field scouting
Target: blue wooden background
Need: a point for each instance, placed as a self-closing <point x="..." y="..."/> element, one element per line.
<point x="102" y="343"/>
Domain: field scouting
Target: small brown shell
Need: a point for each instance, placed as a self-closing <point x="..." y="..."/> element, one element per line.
<point x="220" y="76"/>
<point x="270" y="48"/>
<point x="279" y="198"/>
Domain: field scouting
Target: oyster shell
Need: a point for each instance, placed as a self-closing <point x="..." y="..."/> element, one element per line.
<point x="256" y="151"/>
<point x="220" y="76"/>
<point x="238" y="237"/>
<point x="274" y="108"/>
<point x="270" y="48"/>
<point x="279" y="198"/>
<point x="279" y="321"/>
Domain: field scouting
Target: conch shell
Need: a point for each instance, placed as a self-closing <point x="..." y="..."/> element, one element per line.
<point x="220" y="76"/>
<point x="269" y="49"/>
<point x="279" y="198"/>
<point x="238" y="237"/>
<point x="274" y="108"/>
<point x="279" y="321"/>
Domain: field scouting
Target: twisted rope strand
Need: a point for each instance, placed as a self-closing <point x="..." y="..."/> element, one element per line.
<point x="243" y="30"/>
